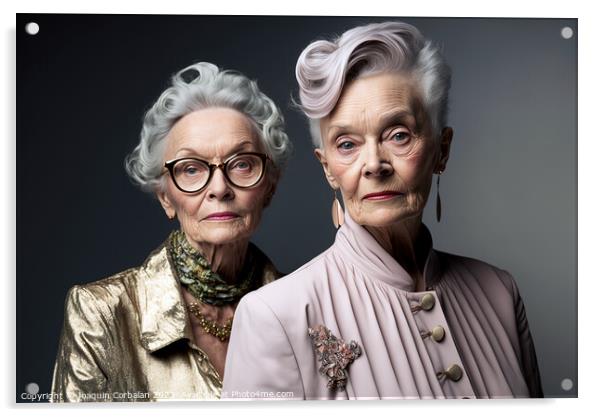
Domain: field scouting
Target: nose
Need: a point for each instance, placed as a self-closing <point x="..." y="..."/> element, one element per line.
<point x="218" y="187"/>
<point x="376" y="165"/>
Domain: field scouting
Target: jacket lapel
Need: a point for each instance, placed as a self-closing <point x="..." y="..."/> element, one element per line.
<point x="163" y="316"/>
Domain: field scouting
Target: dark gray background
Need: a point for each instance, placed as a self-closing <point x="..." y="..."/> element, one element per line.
<point x="84" y="81"/>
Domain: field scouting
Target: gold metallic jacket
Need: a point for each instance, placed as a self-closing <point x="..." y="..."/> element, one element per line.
<point x="128" y="338"/>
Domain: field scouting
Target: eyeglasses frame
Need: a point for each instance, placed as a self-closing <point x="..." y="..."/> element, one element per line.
<point x="169" y="165"/>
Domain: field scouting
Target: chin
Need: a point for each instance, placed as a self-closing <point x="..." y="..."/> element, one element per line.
<point x="385" y="217"/>
<point x="222" y="234"/>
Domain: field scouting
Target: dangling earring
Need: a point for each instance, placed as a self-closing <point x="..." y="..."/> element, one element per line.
<point x="338" y="215"/>
<point x="438" y="197"/>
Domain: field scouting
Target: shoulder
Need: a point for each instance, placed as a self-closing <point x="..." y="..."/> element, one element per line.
<point x="300" y="280"/>
<point x="98" y="299"/>
<point x="110" y="286"/>
<point x="471" y="271"/>
<point x="107" y="293"/>
<point x="299" y="288"/>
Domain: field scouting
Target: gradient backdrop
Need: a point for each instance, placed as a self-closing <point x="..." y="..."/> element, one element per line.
<point x="84" y="81"/>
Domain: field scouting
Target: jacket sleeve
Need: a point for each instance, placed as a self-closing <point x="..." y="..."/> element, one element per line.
<point x="83" y="349"/>
<point x="528" y="356"/>
<point x="260" y="363"/>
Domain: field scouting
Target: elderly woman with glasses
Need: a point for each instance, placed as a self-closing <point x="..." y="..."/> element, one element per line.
<point x="381" y="314"/>
<point x="211" y="150"/>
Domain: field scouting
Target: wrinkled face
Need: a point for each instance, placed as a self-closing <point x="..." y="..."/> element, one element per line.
<point x="379" y="150"/>
<point x="220" y="213"/>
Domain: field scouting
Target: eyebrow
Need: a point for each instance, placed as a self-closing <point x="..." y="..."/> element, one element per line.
<point x="387" y="119"/>
<point x="189" y="152"/>
<point x="396" y="117"/>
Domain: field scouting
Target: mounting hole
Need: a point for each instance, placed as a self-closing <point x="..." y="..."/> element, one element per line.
<point x="32" y="388"/>
<point x="566" y="32"/>
<point x="32" y="28"/>
<point x="566" y="384"/>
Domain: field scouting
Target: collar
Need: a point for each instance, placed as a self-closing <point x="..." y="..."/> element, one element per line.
<point x="163" y="315"/>
<point x="162" y="311"/>
<point x="359" y="247"/>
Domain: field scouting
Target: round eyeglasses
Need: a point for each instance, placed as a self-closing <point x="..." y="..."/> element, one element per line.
<point x="243" y="170"/>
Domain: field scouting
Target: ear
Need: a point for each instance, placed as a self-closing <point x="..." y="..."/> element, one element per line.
<point x="447" y="134"/>
<point x="322" y="158"/>
<point x="170" y="210"/>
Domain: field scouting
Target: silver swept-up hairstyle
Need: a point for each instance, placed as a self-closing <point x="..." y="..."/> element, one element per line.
<point x="199" y="86"/>
<point x="325" y="67"/>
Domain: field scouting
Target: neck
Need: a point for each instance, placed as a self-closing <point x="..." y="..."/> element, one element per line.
<point x="402" y="241"/>
<point x="227" y="259"/>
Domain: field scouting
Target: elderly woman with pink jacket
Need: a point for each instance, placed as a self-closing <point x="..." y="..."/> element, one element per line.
<point x="381" y="313"/>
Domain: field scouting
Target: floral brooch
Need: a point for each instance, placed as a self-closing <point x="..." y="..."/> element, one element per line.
<point x="334" y="355"/>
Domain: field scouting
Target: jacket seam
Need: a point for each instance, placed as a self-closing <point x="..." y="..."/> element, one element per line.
<point x="287" y="339"/>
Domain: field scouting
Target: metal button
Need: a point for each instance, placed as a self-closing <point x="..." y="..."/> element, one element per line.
<point x="454" y="372"/>
<point x="427" y="301"/>
<point x="438" y="333"/>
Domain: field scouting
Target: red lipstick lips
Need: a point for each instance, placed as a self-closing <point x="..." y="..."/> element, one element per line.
<point x="221" y="216"/>
<point x="382" y="195"/>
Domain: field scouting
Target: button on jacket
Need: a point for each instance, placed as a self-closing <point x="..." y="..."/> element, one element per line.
<point x="466" y="336"/>
<point x="128" y="338"/>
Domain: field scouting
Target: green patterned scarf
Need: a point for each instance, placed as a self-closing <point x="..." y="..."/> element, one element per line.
<point x="195" y="273"/>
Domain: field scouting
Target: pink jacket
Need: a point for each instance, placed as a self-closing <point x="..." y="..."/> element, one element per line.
<point x="468" y="339"/>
